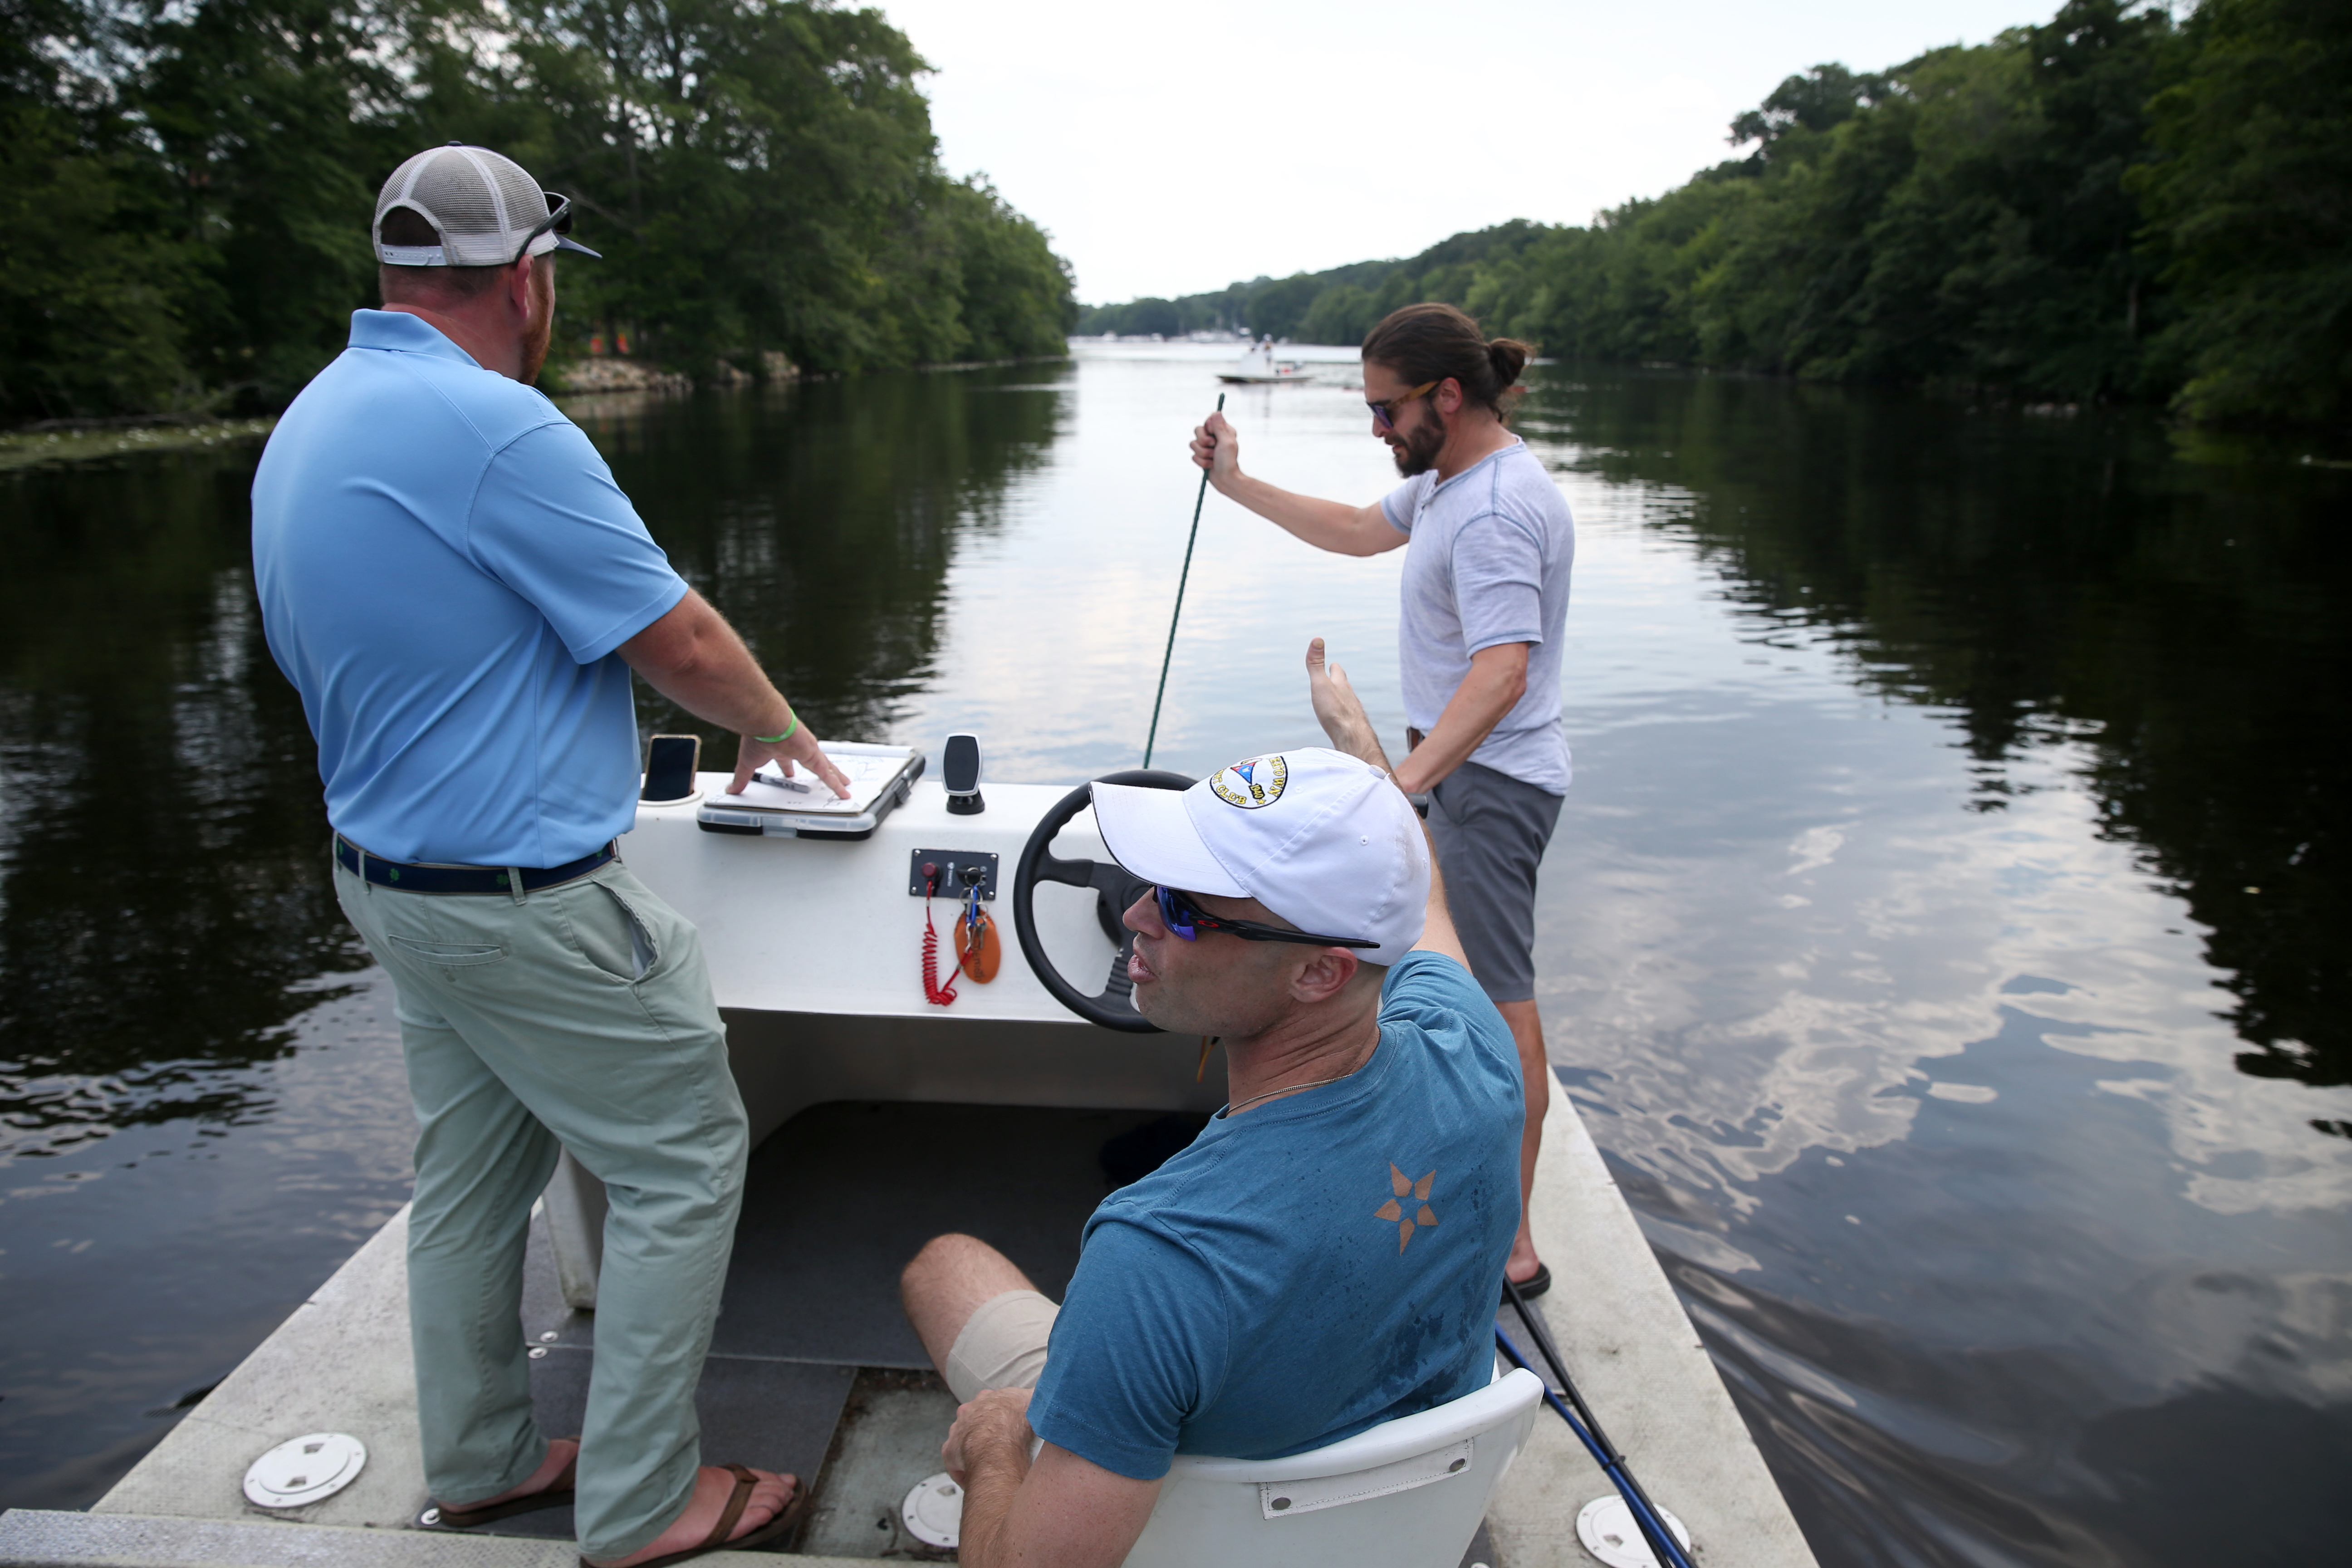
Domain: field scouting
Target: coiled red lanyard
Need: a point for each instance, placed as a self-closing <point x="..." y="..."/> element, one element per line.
<point x="938" y="995"/>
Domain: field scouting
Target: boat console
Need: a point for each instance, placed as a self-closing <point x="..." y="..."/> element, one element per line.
<point x="817" y="946"/>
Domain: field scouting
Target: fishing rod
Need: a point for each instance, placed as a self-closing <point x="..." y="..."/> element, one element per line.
<point x="1152" y="739"/>
<point x="1663" y="1548"/>
<point x="1647" y="1517"/>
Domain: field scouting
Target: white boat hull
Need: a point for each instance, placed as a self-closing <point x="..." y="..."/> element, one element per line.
<point x="813" y="950"/>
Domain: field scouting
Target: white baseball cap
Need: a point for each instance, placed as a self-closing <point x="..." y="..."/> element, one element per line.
<point x="1320" y="838"/>
<point x="488" y="210"/>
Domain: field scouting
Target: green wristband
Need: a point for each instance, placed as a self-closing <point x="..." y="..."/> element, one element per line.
<point x="772" y="740"/>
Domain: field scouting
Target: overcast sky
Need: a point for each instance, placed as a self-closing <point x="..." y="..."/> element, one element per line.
<point x="1170" y="148"/>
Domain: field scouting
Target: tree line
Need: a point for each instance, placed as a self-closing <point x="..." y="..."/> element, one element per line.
<point x="185" y="187"/>
<point x="2113" y="206"/>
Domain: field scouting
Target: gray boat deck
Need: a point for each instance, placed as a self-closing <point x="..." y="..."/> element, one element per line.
<point x="786" y="1359"/>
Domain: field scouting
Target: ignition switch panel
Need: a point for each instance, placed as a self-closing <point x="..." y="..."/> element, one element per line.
<point x="957" y="871"/>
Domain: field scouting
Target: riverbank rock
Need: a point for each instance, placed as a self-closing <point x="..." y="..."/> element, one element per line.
<point x="591" y="377"/>
<point x="586" y="376"/>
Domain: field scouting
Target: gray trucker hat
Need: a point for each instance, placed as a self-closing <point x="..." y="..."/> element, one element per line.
<point x="486" y="210"/>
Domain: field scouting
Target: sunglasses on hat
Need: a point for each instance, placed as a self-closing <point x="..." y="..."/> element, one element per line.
<point x="1187" y="922"/>
<point x="557" y="221"/>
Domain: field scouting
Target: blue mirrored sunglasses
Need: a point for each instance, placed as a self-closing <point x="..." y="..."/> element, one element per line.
<point x="1187" y="922"/>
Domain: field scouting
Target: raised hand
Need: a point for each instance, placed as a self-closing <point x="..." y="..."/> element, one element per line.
<point x="1340" y="710"/>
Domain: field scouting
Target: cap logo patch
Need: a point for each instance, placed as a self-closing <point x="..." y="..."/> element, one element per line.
<point x="1251" y="782"/>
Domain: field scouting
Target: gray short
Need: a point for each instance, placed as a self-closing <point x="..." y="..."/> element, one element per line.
<point x="1491" y="831"/>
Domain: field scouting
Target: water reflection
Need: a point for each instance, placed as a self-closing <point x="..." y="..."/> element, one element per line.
<point x="823" y="519"/>
<point x="1901" y="944"/>
<point x="2055" y="582"/>
<point x="1925" y="763"/>
<point x="161" y="917"/>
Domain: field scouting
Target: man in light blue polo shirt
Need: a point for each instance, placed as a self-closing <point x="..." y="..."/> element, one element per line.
<point x="452" y="580"/>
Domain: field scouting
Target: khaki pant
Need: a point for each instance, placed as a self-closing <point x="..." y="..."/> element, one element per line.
<point x="1002" y="1345"/>
<point x="579" y="1016"/>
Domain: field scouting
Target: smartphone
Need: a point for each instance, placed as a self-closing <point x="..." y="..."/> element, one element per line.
<point x="670" y="763"/>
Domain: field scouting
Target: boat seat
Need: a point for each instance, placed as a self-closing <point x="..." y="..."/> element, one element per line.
<point x="1409" y="1493"/>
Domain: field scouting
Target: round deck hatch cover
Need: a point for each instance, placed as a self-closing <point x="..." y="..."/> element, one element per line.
<point x="305" y="1470"/>
<point x="934" y="1511"/>
<point x="1606" y="1527"/>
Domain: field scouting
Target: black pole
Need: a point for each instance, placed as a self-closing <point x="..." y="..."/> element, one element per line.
<point x="1542" y="1336"/>
<point x="1663" y="1548"/>
<point x="1646" y="1518"/>
<point x="1153" y="738"/>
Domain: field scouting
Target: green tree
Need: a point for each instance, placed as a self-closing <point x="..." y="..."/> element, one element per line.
<point x="1340" y="315"/>
<point x="2252" y="199"/>
<point x="1819" y="100"/>
<point x="90" y="280"/>
<point x="188" y="184"/>
<point x="742" y="166"/>
<point x="1279" y="308"/>
<point x="271" y="123"/>
<point x="2102" y="207"/>
<point x="1018" y="299"/>
<point x="1134" y="319"/>
<point x="760" y="176"/>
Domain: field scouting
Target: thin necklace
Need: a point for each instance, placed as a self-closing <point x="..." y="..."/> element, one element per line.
<point x="1285" y="1088"/>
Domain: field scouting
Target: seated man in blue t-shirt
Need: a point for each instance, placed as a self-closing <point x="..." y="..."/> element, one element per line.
<point x="1328" y="1254"/>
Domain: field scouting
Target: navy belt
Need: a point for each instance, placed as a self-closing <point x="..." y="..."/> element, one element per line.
<point x="460" y="878"/>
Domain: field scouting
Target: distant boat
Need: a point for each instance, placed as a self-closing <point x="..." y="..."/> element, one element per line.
<point x="1255" y="372"/>
<point x="1259" y="367"/>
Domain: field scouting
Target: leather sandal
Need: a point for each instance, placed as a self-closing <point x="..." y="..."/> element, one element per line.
<point x="558" y="1492"/>
<point x="736" y="1502"/>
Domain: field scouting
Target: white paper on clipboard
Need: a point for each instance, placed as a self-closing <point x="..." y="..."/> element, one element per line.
<point x="869" y="774"/>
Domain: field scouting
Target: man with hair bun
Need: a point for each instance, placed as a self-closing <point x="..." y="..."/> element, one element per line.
<point x="1485" y="602"/>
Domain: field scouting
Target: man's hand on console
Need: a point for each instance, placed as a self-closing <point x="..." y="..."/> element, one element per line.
<point x="1340" y="710"/>
<point x="800" y="747"/>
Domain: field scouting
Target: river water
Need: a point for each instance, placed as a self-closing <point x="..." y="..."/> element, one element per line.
<point x="1942" y="939"/>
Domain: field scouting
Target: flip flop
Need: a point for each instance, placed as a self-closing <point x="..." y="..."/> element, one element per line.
<point x="1533" y="1286"/>
<point x="737" y="1500"/>
<point x="558" y="1492"/>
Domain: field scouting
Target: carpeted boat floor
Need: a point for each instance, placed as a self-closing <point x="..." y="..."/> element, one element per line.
<point x="835" y="1202"/>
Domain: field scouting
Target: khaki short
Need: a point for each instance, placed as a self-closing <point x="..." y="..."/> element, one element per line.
<point x="1003" y="1345"/>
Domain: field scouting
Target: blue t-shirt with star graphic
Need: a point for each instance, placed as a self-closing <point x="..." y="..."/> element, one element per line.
<point x="1317" y="1265"/>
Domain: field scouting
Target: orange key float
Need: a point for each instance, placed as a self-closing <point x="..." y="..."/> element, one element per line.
<point x="978" y="950"/>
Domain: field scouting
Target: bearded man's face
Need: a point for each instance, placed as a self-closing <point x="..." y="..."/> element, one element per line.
<point x="1411" y="426"/>
<point x="1419" y="435"/>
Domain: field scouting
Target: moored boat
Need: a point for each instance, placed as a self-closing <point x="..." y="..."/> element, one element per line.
<point x="1258" y="367"/>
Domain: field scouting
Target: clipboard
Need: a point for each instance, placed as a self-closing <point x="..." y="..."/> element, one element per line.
<point x="772" y="807"/>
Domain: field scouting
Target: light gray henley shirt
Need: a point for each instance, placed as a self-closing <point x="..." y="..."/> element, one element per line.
<point x="1489" y="562"/>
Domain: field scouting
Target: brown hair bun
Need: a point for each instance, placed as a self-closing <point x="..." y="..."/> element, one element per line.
<point x="1431" y="342"/>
